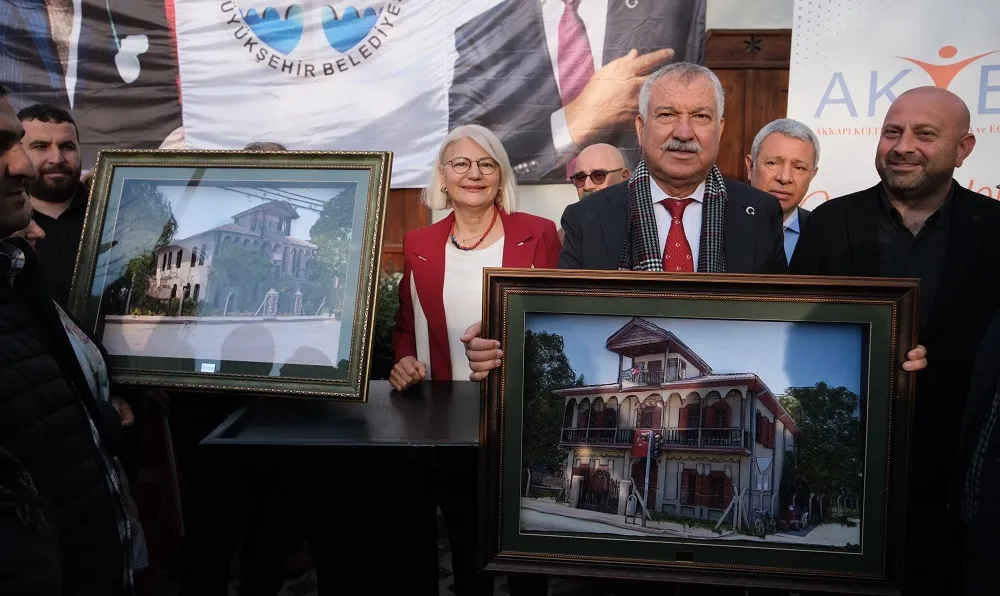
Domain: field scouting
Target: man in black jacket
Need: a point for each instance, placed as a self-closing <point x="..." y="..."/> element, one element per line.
<point x="967" y="569"/>
<point x="677" y="213"/>
<point x="919" y="222"/>
<point x="49" y="420"/>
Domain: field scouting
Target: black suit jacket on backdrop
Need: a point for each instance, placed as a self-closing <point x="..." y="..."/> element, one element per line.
<point x="842" y="240"/>
<point x="108" y="111"/>
<point x="504" y="80"/>
<point x="595" y="230"/>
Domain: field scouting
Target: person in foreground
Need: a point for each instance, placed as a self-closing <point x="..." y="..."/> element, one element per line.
<point x="50" y="421"/>
<point x="919" y="222"/>
<point x="676" y="212"/>
<point x="670" y="213"/>
<point x="440" y="293"/>
<point x="626" y="226"/>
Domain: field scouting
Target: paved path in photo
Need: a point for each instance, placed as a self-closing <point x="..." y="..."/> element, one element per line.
<point x="546" y="515"/>
<point x="309" y="340"/>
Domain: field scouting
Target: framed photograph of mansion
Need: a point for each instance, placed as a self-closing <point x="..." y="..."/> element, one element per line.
<point x="698" y="428"/>
<point x="234" y="270"/>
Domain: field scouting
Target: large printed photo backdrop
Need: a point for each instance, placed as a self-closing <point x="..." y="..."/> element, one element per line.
<point x="848" y="65"/>
<point x="549" y="76"/>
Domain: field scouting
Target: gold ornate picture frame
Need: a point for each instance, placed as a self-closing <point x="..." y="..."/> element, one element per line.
<point x="234" y="270"/>
<point x="698" y="428"/>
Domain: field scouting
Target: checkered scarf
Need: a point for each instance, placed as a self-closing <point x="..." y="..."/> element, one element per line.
<point x="642" y="250"/>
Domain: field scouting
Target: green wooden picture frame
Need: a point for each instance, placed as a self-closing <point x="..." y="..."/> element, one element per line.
<point x="249" y="271"/>
<point x="585" y="515"/>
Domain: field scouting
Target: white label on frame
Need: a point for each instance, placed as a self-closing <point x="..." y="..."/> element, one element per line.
<point x="208" y="367"/>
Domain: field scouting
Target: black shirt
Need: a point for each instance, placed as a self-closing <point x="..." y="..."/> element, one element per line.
<point x="57" y="251"/>
<point x="901" y="254"/>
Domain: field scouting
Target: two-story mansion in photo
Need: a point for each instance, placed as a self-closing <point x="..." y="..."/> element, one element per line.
<point x="718" y="430"/>
<point x="183" y="265"/>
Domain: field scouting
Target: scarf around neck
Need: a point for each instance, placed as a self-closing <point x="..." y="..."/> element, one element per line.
<point x="642" y="251"/>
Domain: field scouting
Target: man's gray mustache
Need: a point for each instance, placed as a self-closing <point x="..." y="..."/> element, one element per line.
<point x="688" y="146"/>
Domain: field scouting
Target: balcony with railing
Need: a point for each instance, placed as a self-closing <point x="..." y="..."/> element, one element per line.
<point x="706" y="437"/>
<point x="598" y="436"/>
<point x="640" y="377"/>
<point x="672" y="437"/>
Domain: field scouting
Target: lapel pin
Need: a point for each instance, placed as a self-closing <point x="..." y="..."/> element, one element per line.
<point x="631" y="3"/>
<point x="751" y="211"/>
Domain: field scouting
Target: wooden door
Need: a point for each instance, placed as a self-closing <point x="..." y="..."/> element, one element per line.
<point x="403" y="212"/>
<point x="752" y="66"/>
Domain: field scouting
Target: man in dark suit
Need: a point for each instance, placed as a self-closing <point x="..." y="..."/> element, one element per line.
<point x="552" y="77"/>
<point x="675" y="214"/>
<point x="919" y="222"/>
<point x="117" y="76"/>
<point x="783" y="160"/>
<point x="666" y="216"/>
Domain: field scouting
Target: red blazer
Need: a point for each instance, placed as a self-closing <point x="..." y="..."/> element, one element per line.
<point x="529" y="240"/>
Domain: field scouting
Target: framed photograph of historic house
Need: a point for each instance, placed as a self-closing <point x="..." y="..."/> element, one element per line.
<point x="234" y="270"/>
<point x="726" y="429"/>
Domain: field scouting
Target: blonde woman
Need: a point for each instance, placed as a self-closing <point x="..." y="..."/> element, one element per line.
<point x="440" y="294"/>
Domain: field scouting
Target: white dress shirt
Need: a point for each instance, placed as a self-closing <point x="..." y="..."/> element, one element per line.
<point x="691" y="218"/>
<point x="463" y="304"/>
<point x="594" y="14"/>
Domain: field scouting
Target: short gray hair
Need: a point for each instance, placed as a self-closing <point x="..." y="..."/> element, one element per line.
<point x="686" y="72"/>
<point x="789" y="128"/>
<point x="485" y="138"/>
<point x="265" y="146"/>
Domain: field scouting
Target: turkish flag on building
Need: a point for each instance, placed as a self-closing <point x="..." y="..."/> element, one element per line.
<point x="640" y="443"/>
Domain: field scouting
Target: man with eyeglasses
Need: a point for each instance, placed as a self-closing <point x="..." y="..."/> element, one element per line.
<point x="598" y="166"/>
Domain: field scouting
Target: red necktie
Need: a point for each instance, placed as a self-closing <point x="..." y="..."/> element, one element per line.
<point x="575" y="60"/>
<point x="677" y="252"/>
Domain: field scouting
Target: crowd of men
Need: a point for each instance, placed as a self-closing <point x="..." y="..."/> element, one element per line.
<point x="57" y="524"/>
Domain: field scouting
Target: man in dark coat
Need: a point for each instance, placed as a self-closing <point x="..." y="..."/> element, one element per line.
<point x="919" y="222"/>
<point x="50" y="422"/>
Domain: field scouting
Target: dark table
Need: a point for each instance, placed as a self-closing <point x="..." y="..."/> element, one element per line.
<point x="429" y="416"/>
<point x="363" y="477"/>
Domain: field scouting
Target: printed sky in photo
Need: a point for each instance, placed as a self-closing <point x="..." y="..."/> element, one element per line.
<point x="209" y="207"/>
<point x="782" y="354"/>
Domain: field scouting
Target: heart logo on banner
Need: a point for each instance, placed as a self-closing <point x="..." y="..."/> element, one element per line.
<point x="347" y="31"/>
<point x="282" y="34"/>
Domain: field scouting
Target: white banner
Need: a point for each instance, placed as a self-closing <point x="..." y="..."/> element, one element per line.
<point x="319" y="81"/>
<point x="851" y="59"/>
<point x="398" y="74"/>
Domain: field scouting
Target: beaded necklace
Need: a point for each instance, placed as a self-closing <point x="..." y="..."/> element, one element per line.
<point x="458" y="245"/>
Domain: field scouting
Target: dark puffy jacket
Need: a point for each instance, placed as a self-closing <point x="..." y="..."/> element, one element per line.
<point x="44" y="401"/>
<point x="29" y="551"/>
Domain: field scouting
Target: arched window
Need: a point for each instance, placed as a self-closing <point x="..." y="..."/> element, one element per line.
<point x="584" y="416"/>
<point x="568" y="415"/>
<point x="194" y="256"/>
